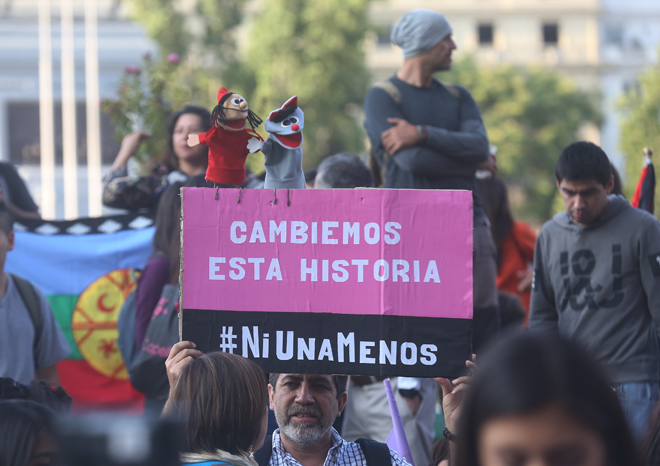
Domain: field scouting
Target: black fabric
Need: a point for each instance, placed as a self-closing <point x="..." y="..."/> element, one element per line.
<point x="646" y="199"/>
<point x="31" y="301"/>
<point x="324" y="343"/>
<point x="376" y="453"/>
<point x="262" y="455"/>
<point x="18" y="192"/>
<point x="148" y="373"/>
<point x="486" y="324"/>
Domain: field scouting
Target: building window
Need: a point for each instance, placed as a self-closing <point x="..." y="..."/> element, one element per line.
<point x="384" y="34"/>
<point x="550" y="34"/>
<point x="485" y="32"/>
<point x="613" y="34"/>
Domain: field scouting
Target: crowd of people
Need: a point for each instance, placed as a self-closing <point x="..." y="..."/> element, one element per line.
<point x="580" y="386"/>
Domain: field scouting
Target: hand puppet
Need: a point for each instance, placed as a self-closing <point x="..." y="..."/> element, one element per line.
<point x="283" y="148"/>
<point x="228" y="139"/>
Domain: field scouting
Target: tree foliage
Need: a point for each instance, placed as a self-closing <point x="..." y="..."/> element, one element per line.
<point x="640" y="126"/>
<point x="313" y="50"/>
<point x="531" y="115"/>
<point x="203" y="35"/>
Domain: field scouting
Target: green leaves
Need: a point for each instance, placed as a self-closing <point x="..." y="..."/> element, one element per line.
<point x="313" y="50"/>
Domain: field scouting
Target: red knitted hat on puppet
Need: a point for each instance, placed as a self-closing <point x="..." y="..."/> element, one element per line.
<point x="222" y="92"/>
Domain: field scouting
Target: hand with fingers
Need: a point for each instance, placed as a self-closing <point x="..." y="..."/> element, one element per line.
<point x="181" y="354"/>
<point x="526" y="279"/>
<point x="399" y="136"/>
<point x="453" y="394"/>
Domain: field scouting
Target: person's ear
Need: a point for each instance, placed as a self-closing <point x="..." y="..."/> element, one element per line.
<point x="610" y="185"/>
<point x="271" y="397"/>
<point x="341" y="403"/>
<point x="10" y="241"/>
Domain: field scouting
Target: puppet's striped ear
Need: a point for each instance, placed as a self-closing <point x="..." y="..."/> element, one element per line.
<point x="285" y="110"/>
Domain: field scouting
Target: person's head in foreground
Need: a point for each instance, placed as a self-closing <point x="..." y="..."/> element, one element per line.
<point x="539" y="400"/>
<point x="584" y="178"/>
<point x="306" y="406"/>
<point x="222" y="401"/>
<point x="26" y="434"/>
<point x="425" y="36"/>
<point x="343" y="170"/>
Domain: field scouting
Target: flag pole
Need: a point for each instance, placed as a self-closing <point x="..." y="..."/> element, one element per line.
<point x="397" y="440"/>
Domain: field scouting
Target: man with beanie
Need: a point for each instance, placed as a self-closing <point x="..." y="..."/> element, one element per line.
<point x="426" y="135"/>
<point x="597" y="279"/>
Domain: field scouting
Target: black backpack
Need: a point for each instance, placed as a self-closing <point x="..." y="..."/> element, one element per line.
<point x="376" y="453"/>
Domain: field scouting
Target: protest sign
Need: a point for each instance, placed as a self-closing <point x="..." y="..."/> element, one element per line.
<point x="373" y="282"/>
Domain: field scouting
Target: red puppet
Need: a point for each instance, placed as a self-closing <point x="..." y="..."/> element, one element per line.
<point x="229" y="140"/>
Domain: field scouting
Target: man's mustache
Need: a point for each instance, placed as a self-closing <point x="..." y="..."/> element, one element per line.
<point x="306" y="411"/>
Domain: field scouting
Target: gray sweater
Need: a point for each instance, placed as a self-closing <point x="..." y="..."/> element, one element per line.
<point x="600" y="285"/>
<point x="456" y="143"/>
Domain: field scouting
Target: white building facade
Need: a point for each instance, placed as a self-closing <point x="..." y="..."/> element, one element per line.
<point x="120" y="43"/>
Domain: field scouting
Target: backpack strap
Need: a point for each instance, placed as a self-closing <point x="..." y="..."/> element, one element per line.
<point x="393" y="91"/>
<point x="453" y="90"/>
<point x="262" y="455"/>
<point x="376" y="453"/>
<point x="377" y="169"/>
<point x="31" y="301"/>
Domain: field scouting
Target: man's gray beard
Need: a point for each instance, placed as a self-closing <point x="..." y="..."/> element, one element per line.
<point x="303" y="434"/>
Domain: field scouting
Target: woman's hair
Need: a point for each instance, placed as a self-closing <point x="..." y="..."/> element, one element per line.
<point x="221" y="399"/>
<point x="205" y="119"/>
<point x="53" y="397"/>
<point x="495" y="200"/>
<point x="167" y="239"/>
<point x="530" y="371"/>
<point x="21" y="422"/>
<point x="440" y="451"/>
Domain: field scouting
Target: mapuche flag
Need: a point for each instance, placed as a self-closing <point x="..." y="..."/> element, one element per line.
<point x="85" y="269"/>
<point x="645" y="191"/>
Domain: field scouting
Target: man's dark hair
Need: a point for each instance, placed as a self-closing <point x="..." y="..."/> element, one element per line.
<point x="583" y="161"/>
<point x="6" y="219"/>
<point x="310" y="175"/>
<point x="343" y="170"/>
<point x="340" y="382"/>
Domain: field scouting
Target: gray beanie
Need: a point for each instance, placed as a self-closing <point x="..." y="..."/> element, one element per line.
<point x="418" y="31"/>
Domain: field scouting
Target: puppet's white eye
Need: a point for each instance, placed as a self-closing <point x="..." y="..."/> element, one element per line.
<point x="286" y="123"/>
<point x="293" y="120"/>
<point x="236" y="101"/>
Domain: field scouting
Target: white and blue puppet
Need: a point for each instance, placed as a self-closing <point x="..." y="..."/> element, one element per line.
<point x="283" y="148"/>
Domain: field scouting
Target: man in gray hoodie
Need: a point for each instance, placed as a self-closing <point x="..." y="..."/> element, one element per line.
<point x="597" y="279"/>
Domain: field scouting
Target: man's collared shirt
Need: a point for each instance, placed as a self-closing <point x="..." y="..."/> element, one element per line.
<point x="341" y="453"/>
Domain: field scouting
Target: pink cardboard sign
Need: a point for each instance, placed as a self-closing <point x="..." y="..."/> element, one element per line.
<point x="358" y="252"/>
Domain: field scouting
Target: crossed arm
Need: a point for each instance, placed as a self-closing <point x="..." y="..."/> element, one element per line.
<point x="444" y="153"/>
